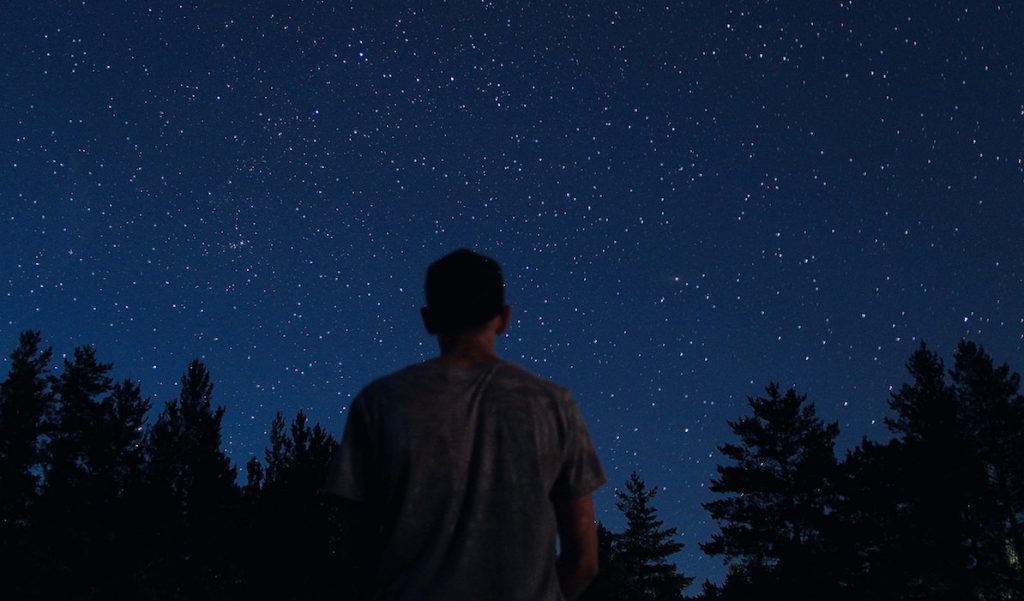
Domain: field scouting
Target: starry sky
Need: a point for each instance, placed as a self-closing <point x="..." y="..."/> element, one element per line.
<point x="689" y="200"/>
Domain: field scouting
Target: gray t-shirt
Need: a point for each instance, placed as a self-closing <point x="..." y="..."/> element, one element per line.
<point x="463" y="464"/>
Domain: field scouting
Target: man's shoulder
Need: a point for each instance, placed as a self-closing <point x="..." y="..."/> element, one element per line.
<point x="430" y="375"/>
<point x="512" y="374"/>
<point x="399" y="378"/>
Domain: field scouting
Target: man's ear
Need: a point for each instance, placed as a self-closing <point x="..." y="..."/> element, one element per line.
<point x="428" y="321"/>
<point x="506" y="318"/>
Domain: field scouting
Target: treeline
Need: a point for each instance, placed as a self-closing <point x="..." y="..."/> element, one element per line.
<point x="934" y="513"/>
<point x="97" y="502"/>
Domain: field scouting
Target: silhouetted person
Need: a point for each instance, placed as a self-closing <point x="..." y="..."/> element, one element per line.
<point x="471" y="464"/>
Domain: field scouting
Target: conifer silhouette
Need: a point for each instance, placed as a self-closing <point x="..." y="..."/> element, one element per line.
<point x="25" y="401"/>
<point x="634" y="564"/>
<point x="778" y="491"/>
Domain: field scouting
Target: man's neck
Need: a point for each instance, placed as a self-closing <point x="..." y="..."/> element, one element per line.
<point x="469" y="352"/>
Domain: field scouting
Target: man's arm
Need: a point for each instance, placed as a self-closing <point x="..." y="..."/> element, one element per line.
<point x="577" y="535"/>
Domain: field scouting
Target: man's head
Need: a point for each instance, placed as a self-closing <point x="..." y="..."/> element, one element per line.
<point x="465" y="291"/>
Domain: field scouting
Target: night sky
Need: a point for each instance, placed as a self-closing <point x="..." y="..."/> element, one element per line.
<point x="689" y="200"/>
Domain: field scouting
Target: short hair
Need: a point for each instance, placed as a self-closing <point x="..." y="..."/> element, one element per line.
<point x="464" y="290"/>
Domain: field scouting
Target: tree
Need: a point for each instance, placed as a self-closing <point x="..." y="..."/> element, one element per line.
<point x="634" y="564"/>
<point x="254" y="477"/>
<point x="869" y="535"/>
<point x="98" y="432"/>
<point x="934" y="475"/>
<point x="992" y="413"/>
<point x="116" y="455"/>
<point x="930" y="514"/>
<point x="25" y="400"/>
<point x="75" y="489"/>
<point x="292" y="515"/>
<point x="120" y="433"/>
<point x="779" y="487"/>
<point x="73" y="435"/>
<point x="86" y="529"/>
<point x="279" y="454"/>
<point x="926" y="409"/>
<point x="644" y="547"/>
<point x="186" y="459"/>
<point x="191" y="489"/>
<point x="297" y="458"/>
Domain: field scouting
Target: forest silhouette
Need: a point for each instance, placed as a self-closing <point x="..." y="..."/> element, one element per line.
<point x="97" y="502"/>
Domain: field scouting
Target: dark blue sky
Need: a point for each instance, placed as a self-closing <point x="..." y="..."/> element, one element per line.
<point x="690" y="200"/>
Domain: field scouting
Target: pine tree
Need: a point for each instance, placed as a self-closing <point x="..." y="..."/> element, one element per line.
<point x="298" y="456"/>
<point x="254" y="478"/>
<point x="923" y="512"/>
<point x="935" y="474"/>
<point x="869" y="561"/>
<point x="779" y="487"/>
<point x="927" y="409"/>
<point x="98" y="432"/>
<point x="73" y="435"/>
<point x="72" y="531"/>
<point x="120" y="434"/>
<point x="192" y="491"/>
<point x="186" y="458"/>
<point x="992" y="412"/>
<point x="642" y="550"/>
<point x="292" y="515"/>
<point x="311" y="449"/>
<point x="87" y="526"/>
<point x="116" y="455"/>
<point x="278" y="454"/>
<point x="25" y="401"/>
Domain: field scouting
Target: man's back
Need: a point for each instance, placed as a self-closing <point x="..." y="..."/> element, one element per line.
<point x="463" y="463"/>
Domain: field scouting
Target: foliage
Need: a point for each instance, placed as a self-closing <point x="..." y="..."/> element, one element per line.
<point x="25" y="401"/>
<point x="190" y="488"/>
<point x="778" y="492"/>
<point x="645" y="546"/>
<point x="186" y="461"/>
<point x="634" y="564"/>
<point x="286" y="501"/>
<point x="953" y="462"/>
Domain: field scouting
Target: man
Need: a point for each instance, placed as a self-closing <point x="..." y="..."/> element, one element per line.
<point x="471" y="464"/>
